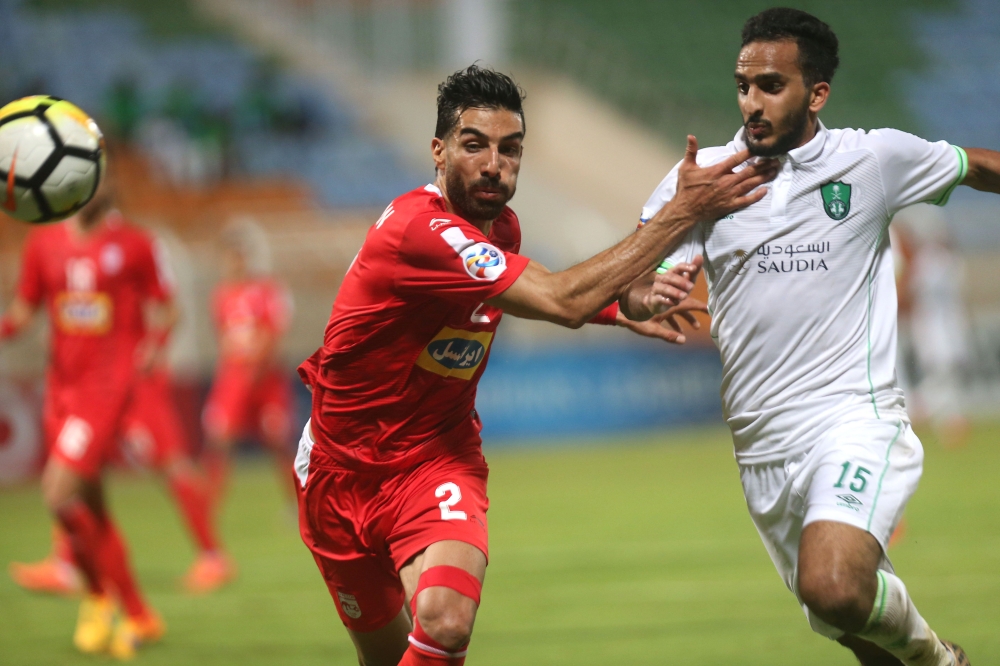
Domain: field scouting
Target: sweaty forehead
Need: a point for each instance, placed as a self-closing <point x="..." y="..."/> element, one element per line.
<point x="494" y="123"/>
<point x="758" y="58"/>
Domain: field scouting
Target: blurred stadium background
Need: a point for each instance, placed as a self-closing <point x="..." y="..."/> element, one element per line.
<point x="309" y="116"/>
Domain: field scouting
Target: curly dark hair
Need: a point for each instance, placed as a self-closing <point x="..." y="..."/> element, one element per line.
<point x="475" y="88"/>
<point x="817" y="43"/>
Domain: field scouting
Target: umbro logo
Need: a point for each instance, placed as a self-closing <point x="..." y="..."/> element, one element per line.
<point x="850" y="502"/>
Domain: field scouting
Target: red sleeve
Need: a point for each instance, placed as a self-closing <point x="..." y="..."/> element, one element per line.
<point x="309" y="368"/>
<point x="155" y="276"/>
<point x="606" y="317"/>
<point x="446" y="256"/>
<point x="30" y="285"/>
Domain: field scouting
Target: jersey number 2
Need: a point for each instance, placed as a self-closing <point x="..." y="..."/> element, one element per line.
<point x="454" y="497"/>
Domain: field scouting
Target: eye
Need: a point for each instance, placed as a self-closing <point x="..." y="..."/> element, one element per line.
<point x="743" y="87"/>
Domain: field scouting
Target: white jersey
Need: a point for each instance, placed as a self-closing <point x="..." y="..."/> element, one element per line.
<point x="801" y="285"/>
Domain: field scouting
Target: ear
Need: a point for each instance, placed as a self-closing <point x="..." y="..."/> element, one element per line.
<point x="437" y="153"/>
<point x="818" y="96"/>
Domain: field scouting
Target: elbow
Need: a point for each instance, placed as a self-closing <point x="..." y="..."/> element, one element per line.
<point x="573" y="315"/>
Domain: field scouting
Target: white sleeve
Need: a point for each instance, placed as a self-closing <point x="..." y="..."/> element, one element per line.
<point x="915" y="170"/>
<point x="691" y="245"/>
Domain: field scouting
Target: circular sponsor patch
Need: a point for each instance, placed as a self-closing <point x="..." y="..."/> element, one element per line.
<point x="483" y="261"/>
<point x="112" y="259"/>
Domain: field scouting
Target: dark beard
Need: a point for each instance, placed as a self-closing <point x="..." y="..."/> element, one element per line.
<point x="468" y="206"/>
<point x="783" y="142"/>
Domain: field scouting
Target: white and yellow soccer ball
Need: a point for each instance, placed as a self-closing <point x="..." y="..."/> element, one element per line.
<point x="52" y="159"/>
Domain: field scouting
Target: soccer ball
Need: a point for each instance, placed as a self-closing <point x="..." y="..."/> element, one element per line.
<point x="52" y="158"/>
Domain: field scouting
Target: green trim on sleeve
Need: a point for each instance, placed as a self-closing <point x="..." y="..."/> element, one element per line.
<point x="963" y="170"/>
<point x="664" y="267"/>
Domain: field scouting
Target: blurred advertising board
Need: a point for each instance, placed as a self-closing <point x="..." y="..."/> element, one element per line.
<point x="557" y="391"/>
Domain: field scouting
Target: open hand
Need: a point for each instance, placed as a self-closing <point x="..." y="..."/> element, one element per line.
<point x="665" y="326"/>
<point x="712" y="192"/>
<point x="670" y="288"/>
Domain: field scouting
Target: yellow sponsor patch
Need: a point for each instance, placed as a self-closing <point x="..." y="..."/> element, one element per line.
<point x="455" y="353"/>
<point x="83" y="313"/>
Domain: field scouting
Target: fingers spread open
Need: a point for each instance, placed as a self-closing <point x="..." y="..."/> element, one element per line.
<point x="733" y="161"/>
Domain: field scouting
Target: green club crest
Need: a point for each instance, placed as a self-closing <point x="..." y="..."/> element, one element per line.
<point x="836" y="199"/>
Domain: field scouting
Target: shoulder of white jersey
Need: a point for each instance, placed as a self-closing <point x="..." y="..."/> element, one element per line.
<point x="665" y="191"/>
<point x="859" y="139"/>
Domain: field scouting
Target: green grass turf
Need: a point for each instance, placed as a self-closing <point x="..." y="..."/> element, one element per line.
<point x="638" y="551"/>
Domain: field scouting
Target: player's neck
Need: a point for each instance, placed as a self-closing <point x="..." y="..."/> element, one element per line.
<point x="812" y="128"/>
<point x="81" y="229"/>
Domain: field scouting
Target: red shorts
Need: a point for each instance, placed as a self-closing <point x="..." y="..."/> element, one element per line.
<point x="152" y="432"/>
<point x="241" y="403"/>
<point x="363" y="528"/>
<point x="82" y="425"/>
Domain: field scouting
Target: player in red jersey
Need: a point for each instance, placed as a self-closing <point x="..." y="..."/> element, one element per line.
<point x="153" y="437"/>
<point x="251" y="393"/>
<point x="392" y="480"/>
<point x="110" y="312"/>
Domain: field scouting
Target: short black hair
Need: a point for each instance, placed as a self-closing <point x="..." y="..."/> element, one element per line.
<point x="817" y="43"/>
<point x="475" y="88"/>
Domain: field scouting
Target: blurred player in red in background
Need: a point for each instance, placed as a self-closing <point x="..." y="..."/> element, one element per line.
<point x="110" y="309"/>
<point x="153" y="438"/>
<point x="251" y="394"/>
<point x="390" y="469"/>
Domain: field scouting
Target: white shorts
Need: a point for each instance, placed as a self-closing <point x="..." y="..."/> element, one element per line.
<point x="861" y="473"/>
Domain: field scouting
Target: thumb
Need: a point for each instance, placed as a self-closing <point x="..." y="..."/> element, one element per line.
<point x="691" y="153"/>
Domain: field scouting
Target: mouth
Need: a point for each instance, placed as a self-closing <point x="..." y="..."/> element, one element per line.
<point x="758" y="130"/>
<point x="488" y="193"/>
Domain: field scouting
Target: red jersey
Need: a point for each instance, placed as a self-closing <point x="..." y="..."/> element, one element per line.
<point x="394" y="383"/>
<point x="93" y="288"/>
<point x="242" y="310"/>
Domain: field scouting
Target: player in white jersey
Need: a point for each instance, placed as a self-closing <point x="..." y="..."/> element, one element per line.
<point x="803" y="305"/>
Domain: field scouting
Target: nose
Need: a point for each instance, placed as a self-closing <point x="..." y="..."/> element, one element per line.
<point x="753" y="102"/>
<point x="491" y="165"/>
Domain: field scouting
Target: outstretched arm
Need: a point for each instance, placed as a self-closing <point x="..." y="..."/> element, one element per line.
<point x="571" y="297"/>
<point x="984" y="170"/>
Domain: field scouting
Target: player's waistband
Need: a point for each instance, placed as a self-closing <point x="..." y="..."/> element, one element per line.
<point x="774" y="436"/>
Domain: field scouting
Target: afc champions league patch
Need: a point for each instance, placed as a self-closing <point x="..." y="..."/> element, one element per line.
<point x="484" y="262"/>
<point x="455" y="353"/>
<point x="112" y="259"/>
<point x="349" y="603"/>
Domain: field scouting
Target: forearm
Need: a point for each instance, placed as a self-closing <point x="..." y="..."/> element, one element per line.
<point x="984" y="170"/>
<point x="161" y="317"/>
<point x="582" y="291"/>
<point x="16" y="318"/>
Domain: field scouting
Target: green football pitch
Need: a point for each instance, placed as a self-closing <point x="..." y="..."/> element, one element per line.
<point x="633" y="550"/>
